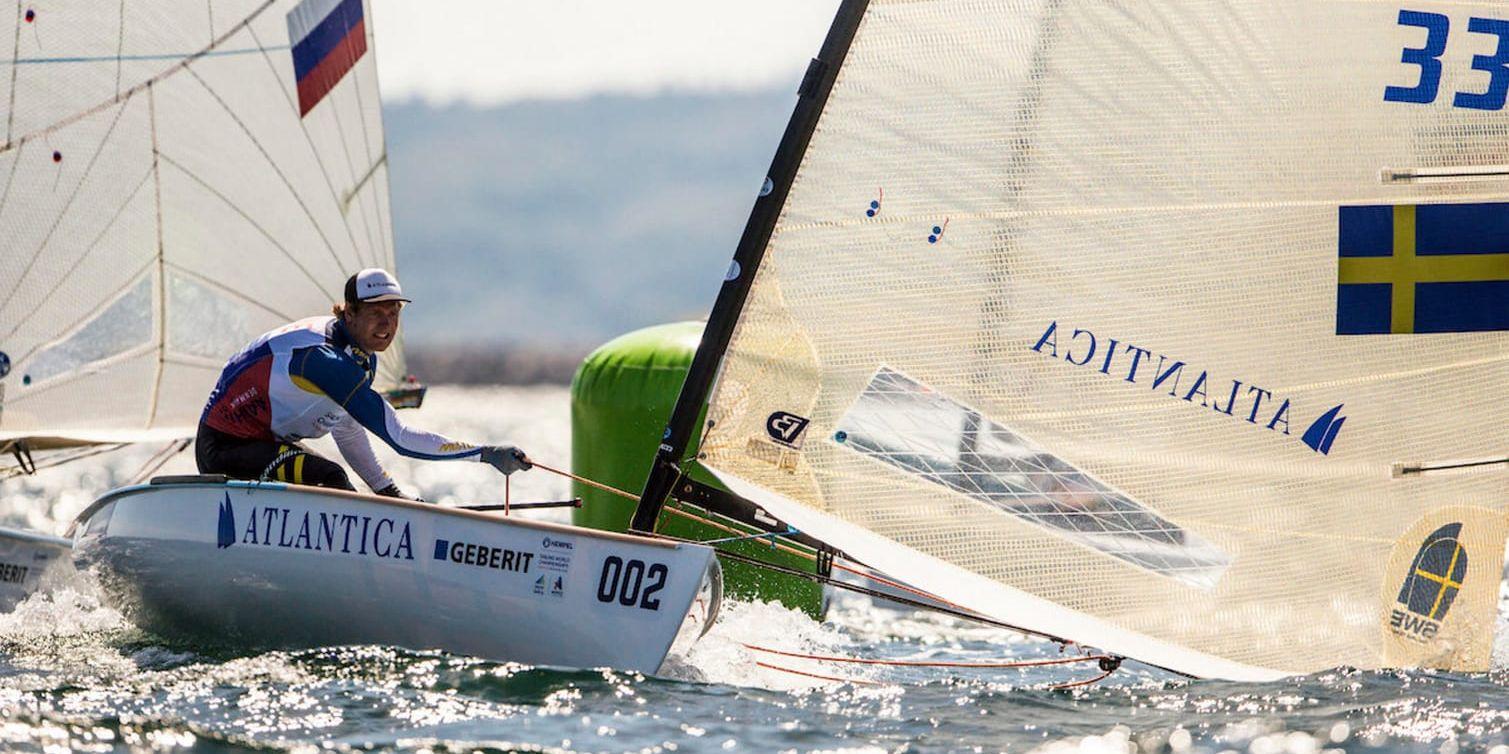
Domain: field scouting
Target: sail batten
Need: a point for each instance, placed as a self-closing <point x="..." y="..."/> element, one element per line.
<point x="1110" y="311"/>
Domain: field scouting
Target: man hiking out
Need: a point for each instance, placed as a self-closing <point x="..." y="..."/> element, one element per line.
<point x="314" y="377"/>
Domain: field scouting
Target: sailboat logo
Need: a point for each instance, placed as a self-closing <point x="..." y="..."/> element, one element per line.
<point x="1435" y="577"/>
<point x="225" y="536"/>
<point x="786" y="429"/>
<point x="1323" y="431"/>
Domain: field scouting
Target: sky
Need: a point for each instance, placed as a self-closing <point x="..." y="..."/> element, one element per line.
<point x="491" y="52"/>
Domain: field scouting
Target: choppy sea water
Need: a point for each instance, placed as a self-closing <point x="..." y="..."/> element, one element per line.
<point x="75" y="675"/>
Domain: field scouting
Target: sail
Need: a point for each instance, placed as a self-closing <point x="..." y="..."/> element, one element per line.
<point x="175" y="179"/>
<point x="1148" y="325"/>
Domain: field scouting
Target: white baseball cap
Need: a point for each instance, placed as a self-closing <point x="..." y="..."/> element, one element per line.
<point x="371" y="285"/>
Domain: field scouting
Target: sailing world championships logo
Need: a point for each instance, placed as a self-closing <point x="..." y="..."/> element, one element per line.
<point x="1133" y="364"/>
<point x="1434" y="578"/>
<point x="321" y="532"/>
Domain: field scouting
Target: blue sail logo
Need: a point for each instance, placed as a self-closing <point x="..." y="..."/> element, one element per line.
<point x="1435" y="577"/>
<point x="1322" y="431"/>
<point x="225" y="536"/>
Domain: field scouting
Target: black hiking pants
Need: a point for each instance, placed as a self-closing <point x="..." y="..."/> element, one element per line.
<point x="238" y="458"/>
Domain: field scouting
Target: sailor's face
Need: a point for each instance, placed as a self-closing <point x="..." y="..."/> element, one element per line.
<point x="373" y="326"/>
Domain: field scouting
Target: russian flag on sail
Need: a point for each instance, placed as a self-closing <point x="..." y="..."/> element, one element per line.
<point x="327" y="37"/>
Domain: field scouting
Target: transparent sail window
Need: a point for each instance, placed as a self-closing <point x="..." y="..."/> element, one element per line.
<point x="905" y="424"/>
<point x="123" y="325"/>
<point x="203" y="321"/>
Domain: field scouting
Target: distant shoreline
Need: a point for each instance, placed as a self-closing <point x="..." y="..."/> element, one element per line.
<point x="495" y="365"/>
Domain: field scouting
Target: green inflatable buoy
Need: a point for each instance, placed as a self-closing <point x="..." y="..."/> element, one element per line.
<point x="621" y="397"/>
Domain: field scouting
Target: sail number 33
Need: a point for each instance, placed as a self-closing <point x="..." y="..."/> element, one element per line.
<point x="1428" y="58"/>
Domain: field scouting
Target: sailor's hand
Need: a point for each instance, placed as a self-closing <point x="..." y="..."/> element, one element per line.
<point x="506" y="458"/>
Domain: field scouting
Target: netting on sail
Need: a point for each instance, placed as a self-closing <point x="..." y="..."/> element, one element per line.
<point x="1133" y="308"/>
<point x="175" y="179"/>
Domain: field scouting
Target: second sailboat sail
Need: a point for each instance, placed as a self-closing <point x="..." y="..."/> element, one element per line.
<point x="1127" y="323"/>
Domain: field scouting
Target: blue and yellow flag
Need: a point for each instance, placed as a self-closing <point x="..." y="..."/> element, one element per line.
<point x="1426" y="268"/>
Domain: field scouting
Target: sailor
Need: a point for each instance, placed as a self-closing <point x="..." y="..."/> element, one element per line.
<point x="314" y="377"/>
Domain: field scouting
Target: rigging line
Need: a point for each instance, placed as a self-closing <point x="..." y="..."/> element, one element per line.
<point x="877" y="594"/>
<point x="318" y="159"/>
<point x="228" y="291"/>
<point x="144" y="56"/>
<point x="73" y="327"/>
<point x="160" y="459"/>
<point x="10" y="472"/>
<point x="67" y="275"/>
<point x="82" y="114"/>
<point x="320" y="231"/>
<point x="818" y="676"/>
<point x="258" y="226"/>
<point x="78" y="187"/>
<point x="676" y="511"/>
<point x="1002" y="664"/>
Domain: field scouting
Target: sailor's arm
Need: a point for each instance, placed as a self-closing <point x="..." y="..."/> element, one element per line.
<point x="352" y="440"/>
<point x="347" y="385"/>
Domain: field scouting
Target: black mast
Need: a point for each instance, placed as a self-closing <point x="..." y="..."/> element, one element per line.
<point x="812" y="96"/>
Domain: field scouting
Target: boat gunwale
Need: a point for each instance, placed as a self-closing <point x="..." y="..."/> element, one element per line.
<point x="549" y="526"/>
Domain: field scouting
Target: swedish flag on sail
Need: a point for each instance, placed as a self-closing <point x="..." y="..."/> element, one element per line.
<point x="1427" y="268"/>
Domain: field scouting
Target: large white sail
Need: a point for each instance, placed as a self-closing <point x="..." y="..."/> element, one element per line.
<point x="175" y="178"/>
<point x="1131" y="323"/>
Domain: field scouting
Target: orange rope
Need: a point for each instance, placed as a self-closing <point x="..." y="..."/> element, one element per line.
<point x="1087" y="682"/>
<point x="817" y="675"/>
<point x="782" y="547"/>
<point x="866" y="573"/>
<point x="931" y="663"/>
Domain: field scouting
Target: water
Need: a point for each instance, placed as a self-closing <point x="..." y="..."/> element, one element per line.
<point x="75" y="676"/>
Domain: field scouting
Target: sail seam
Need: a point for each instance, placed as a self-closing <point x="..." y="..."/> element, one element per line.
<point x="378" y="202"/>
<point x="341" y="201"/>
<point x="58" y="219"/>
<point x="11" y="143"/>
<point x="361" y="107"/>
<point x="15" y="55"/>
<point x="162" y="277"/>
<point x="68" y="274"/>
<point x="319" y="159"/>
<point x="265" y="234"/>
<point x="78" y="323"/>
<point x="120" y="45"/>
<point x="233" y="293"/>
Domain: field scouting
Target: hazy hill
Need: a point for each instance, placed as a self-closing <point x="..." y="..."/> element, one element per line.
<point x="558" y="225"/>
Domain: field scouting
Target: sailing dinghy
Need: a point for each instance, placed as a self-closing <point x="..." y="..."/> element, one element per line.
<point x="268" y="564"/>
<point x="1175" y="329"/>
<point x="164" y="198"/>
<point x="178" y="182"/>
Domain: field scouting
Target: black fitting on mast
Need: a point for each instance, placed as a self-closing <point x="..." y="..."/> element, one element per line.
<point x="812" y="97"/>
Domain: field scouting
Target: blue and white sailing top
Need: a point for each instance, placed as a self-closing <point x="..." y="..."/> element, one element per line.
<point x="307" y="379"/>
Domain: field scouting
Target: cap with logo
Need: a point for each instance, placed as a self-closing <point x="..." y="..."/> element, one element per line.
<point x="371" y="285"/>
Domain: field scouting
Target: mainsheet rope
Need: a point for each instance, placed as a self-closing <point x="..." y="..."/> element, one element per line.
<point x="1108" y="663"/>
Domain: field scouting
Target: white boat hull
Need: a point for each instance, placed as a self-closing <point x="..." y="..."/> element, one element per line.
<point x="285" y="565"/>
<point x="24" y="557"/>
